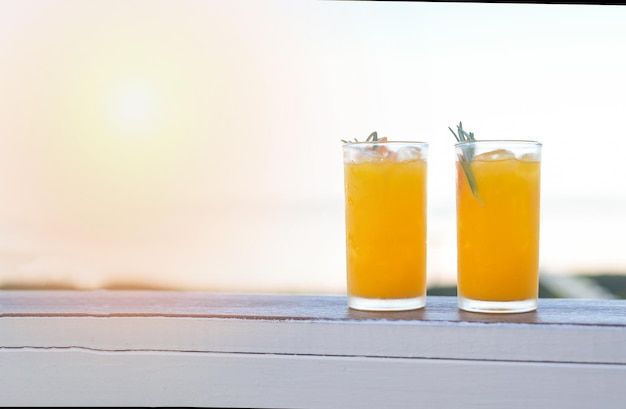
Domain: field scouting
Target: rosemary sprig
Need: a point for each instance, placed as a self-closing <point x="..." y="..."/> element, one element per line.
<point x="373" y="137"/>
<point x="467" y="157"/>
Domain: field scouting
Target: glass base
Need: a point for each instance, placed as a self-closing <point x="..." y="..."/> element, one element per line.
<point x="497" y="307"/>
<point x="386" y="304"/>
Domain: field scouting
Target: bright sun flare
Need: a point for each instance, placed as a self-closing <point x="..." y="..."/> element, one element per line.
<point x="134" y="107"/>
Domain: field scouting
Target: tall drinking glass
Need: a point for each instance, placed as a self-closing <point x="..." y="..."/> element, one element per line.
<point x="385" y="209"/>
<point x="497" y="204"/>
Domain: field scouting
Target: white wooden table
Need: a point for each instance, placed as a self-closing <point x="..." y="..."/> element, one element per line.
<point x="135" y="348"/>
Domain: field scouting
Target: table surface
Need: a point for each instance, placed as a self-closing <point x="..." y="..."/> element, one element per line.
<point x="290" y="307"/>
<point x="168" y="348"/>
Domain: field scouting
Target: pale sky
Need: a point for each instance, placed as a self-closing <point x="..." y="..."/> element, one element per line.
<point x="196" y="144"/>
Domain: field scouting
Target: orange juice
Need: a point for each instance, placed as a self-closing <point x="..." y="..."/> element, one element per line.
<point x="498" y="225"/>
<point x="386" y="229"/>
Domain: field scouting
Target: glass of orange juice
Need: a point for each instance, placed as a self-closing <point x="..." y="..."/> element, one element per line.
<point x="497" y="204"/>
<point x="385" y="216"/>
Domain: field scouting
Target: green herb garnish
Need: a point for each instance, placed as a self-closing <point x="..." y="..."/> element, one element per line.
<point x="466" y="157"/>
<point x="372" y="138"/>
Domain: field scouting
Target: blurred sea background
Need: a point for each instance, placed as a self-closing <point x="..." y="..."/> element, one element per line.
<point x="195" y="145"/>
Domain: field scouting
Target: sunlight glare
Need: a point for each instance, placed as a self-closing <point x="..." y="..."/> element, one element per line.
<point x="134" y="107"/>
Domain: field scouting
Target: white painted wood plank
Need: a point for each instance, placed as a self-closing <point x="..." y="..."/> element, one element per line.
<point x="592" y="331"/>
<point x="219" y="350"/>
<point x="73" y="377"/>
<point x="467" y="341"/>
<point x="290" y="307"/>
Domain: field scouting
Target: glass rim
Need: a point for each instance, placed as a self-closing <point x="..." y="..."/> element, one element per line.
<point x="367" y="143"/>
<point x="528" y="142"/>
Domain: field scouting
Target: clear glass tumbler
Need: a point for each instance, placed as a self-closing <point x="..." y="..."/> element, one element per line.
<point x="385" y="210"/>
<point x="497" y="205"/>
